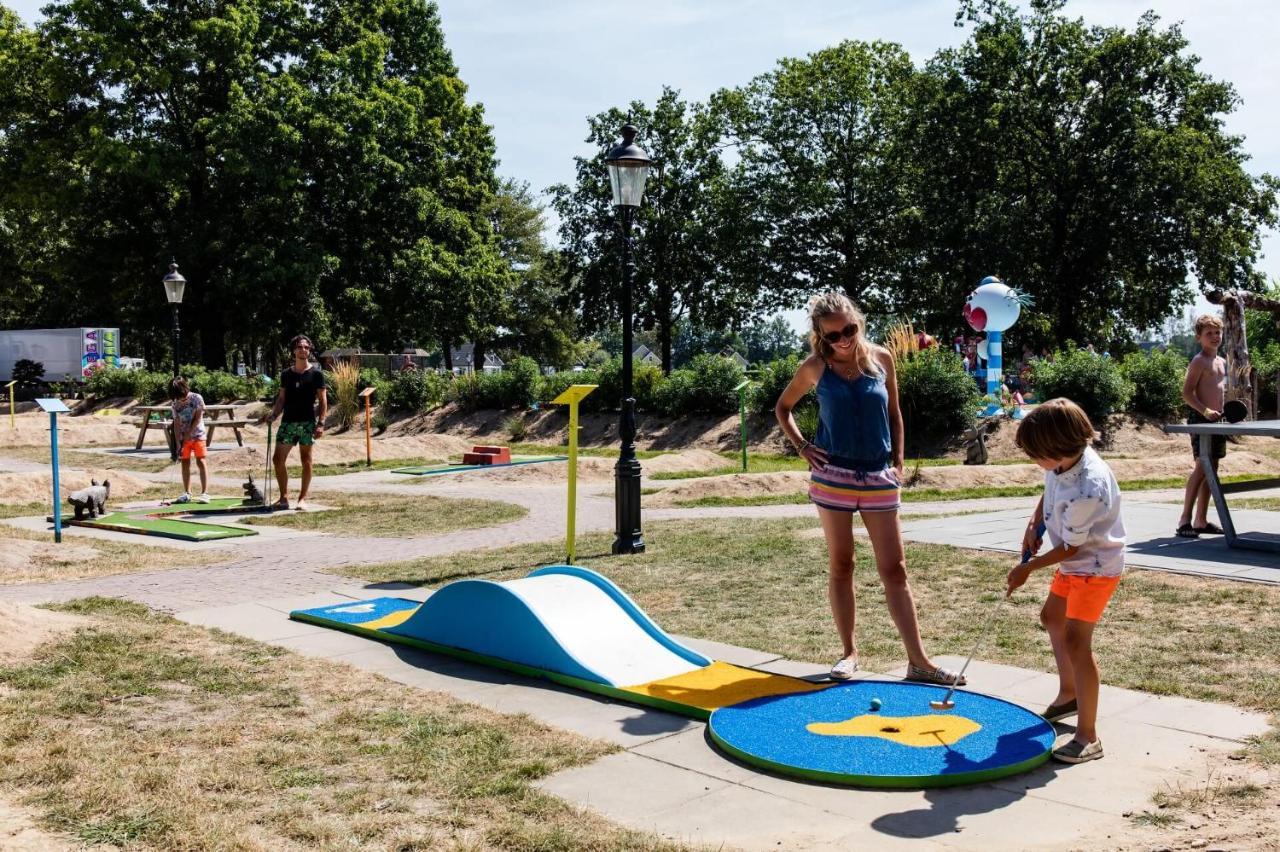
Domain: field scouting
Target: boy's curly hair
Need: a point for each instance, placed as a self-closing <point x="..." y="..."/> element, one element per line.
<point x="1057" y="429"/>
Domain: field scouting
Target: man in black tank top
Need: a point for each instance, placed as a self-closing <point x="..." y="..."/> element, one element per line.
<point x="301" y="387"/>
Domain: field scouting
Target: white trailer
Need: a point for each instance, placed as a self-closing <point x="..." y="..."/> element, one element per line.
<point x="66" y="353"/>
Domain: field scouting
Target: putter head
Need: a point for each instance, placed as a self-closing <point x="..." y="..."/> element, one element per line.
<point x="942" y="705"/>
<point x="1235" y="411"/>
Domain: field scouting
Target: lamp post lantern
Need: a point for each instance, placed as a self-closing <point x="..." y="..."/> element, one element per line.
<point x="628" y="168"/>
<point x="174" y="285"/>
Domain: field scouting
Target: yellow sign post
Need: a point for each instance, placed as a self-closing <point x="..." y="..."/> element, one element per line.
<point x="10" y="387"/>
<point x="571" y="396"/>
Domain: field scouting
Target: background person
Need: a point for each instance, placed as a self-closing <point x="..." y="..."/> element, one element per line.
<point x="1204" y="392"/>
<point x="856" y="461"/>
<point x="189" y="436"/>
<point x="301" y="387"/>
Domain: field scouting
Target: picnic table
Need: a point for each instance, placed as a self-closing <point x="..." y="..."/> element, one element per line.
<point x="212" y="419"/>
<point x="1206" y="432"/>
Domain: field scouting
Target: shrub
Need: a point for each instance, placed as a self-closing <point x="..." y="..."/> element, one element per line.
<point x="380" y="422"/>
<point x="515" y="427"/>
<point x="345" y="377"/>
<point x="1157" y="382"/>
<point x="522" y="380"/>
<point x="27" y="372"/>
<point x="773" y="380"/>
<point x="645" y="381"/>
<point x="143" y="385"/>
<point x="705" y="386"/>
<point x="1091" y="381"/>
<point x="219" y="385"/>
<point x="937" y="397"/>
<point x="415" y="390"/>
<point x="806" y="417"/>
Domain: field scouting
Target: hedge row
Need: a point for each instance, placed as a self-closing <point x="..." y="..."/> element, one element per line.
<point x="937" y="397"/>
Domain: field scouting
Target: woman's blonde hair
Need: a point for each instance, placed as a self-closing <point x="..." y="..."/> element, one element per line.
<point x="834" y="302"/>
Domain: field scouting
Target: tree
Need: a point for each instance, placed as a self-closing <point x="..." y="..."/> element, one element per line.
<point x="674" y="229"/>
<point x="311" y="166"/>
<point x="27" y="372"/>
<point x="1088" y="166"/>
<point x="768" y="340"/>
<point x="822" y="178"/>
<point x="532" y="317"/>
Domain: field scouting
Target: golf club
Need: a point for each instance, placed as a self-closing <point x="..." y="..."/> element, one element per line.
<point x="946" y="703"/>
<point x="266" y="473"/>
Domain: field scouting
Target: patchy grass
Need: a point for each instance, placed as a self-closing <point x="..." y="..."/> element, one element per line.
<point x="773" y="463"/>
<point x="917" y="495"/>
<point x="111" y="557"/>
<point x="88" y="458"/>
<point x="524" y="449"/>
<point x="339" y="468"/>
<point x="1270" y="504"/>
<point x="394" y="515"/>
<point x="760" y="584"/>
<point x="144" y="732"/>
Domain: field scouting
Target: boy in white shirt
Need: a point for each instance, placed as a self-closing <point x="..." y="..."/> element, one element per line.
<point x="1080" y="510"/>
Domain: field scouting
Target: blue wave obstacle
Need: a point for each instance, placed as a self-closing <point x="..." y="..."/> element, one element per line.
<point x="575" y="627"/>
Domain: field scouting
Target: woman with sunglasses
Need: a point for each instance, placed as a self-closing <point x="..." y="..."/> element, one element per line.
<point x="856" y="466"/>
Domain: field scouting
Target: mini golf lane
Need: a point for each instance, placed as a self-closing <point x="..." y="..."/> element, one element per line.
<point x="833" y="735"/>
<point x="159" y="520"/>
<point x="575" y="627"/>
<point x="439" y="469"/>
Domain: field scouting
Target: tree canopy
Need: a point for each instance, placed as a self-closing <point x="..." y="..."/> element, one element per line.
<point x="310" y="167"/>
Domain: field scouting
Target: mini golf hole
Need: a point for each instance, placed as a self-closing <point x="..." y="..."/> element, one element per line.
<point x="890" y="729"/>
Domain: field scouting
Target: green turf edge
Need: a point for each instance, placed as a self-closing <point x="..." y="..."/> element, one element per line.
<point x="460" y="468"/>
<point x="620" y="693"/>
<point x="223" y="532"/>
<point x="899" y="782"/>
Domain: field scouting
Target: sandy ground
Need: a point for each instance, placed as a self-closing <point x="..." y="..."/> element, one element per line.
<point x="24" y="629"/>
<point x="17" y="553"/>
<point x="34" y="487"/>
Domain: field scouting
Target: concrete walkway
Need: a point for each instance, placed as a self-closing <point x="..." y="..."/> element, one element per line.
<point x="669" y="779"/>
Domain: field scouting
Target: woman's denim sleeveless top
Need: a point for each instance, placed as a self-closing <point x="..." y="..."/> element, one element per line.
<point x="853" y="421"/>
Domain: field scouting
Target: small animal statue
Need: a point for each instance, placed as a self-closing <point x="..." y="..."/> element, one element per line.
<point x="93" y="499"/>
<point x="975" y="444"/>
<point x="251" y="493"/>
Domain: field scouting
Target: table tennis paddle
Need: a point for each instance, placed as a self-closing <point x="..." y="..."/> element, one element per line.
<point x="1235" y="411"/>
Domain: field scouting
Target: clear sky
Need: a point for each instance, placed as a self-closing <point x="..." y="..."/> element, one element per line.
<point x="540" y="67"/>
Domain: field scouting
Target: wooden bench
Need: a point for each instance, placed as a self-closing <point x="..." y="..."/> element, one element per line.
<point x="211" y="421"/>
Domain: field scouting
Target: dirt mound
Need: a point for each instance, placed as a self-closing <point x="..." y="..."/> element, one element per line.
<point x="600" y="469"/>
<point x="26" y="627"/>
<point x="18" y="488"/>
<point x="734" y="485"/>
<point x="334" y="450"/>
<point x="685" y="461"/>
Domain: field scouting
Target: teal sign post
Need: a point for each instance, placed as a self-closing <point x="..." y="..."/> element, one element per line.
<point x="54" y="407"/>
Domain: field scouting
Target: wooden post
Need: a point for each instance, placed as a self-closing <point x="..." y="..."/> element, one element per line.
<point x="367" y="393"/>
<point x="10" y="387"/>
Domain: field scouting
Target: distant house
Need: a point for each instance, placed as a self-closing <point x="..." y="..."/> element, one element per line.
<point x="464" y="360"/>
<point x="644" y="355"/>
<point x="732" y="355"/>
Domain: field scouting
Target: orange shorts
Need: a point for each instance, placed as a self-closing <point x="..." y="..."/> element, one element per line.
<point x="193" y="448"/>
<point x="1086" y="596"/>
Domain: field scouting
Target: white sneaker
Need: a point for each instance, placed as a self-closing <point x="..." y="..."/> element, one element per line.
<point x="203" y="498"/>
<point x="184" y="497"/>
<point x="844" y="669"/>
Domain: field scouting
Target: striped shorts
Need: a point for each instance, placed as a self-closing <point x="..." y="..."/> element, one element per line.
<point x="855" y="491"/>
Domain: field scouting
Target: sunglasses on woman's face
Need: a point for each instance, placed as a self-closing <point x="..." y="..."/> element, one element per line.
<point x="836" y="336"/>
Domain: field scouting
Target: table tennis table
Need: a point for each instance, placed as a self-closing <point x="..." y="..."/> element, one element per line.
<point x="1205" y="433"/>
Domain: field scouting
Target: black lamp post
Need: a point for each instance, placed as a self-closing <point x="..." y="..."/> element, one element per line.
<point x="628" y="167"/>
<point x="174" y="284"/>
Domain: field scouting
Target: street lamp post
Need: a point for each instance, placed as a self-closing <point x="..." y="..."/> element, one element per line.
<point x="174" y="284"/>
<point x="628" y="167"/>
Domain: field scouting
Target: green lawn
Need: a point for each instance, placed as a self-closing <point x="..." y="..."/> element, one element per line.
<point x="759" y="584"/>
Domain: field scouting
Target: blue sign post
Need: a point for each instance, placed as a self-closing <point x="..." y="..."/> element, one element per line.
<point x="54" y="407"/>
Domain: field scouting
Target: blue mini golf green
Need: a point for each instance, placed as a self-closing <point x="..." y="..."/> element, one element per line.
<point x="839" y="736"/>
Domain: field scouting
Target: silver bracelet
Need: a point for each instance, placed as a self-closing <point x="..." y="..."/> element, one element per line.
<point x="800" y="449"/>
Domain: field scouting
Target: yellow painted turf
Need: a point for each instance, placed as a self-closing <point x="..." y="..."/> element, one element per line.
<point x="721" y="685"/>
<point x="920" y="731"/>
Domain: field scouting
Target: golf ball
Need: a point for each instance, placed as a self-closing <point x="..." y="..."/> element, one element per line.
<point x="875" y="704"/>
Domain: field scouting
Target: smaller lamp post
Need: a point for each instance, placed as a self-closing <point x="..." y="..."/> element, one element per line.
<point x="174" y="285"/>
<point x="628" y="168"/>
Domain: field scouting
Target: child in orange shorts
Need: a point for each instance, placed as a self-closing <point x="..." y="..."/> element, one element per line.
<point x="189" y="435"/>
<point x="1080" y="510"/>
